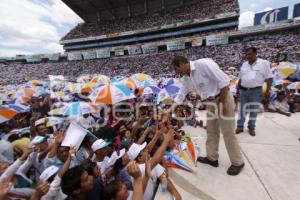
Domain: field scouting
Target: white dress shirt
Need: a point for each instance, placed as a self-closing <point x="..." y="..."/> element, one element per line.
<point x="255" y="75"/>
<point x="206" y="79"/>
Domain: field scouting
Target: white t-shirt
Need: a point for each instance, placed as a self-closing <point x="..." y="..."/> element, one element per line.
<point x="157" y="171"/>
<point x="283" y="106"/>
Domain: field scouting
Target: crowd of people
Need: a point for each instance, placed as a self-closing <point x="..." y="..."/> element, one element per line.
<point x="123" y="153"/>
<point x="117" y="154"/>
<point x="199" y="10"/>
<point x="158" y="64"/>
<point x="122" y="159"/>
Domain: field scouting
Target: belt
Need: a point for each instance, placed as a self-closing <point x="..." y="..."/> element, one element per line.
<point x="255" y="88"/>
<point x="211" y="98"/>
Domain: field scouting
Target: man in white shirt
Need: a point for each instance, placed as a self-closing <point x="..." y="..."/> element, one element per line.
<point x="253" y="74"/>
<point x="204" y="77"/>
<point x="281" y="104"/>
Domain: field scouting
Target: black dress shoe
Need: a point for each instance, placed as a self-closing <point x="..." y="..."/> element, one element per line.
<point x="205" y="160"/>
<point x="252" y="132"/>
<point x="235" y="170"/>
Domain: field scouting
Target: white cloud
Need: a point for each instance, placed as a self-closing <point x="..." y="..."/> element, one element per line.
<point x="12" y="52"/>
<point x="54" y="47"/>
<point x="267" y="9"/>
<point x="246" y="19"/>
<point x="63" y="14"/>
<point x="33" y="25"/>
<point x="253" y="5"/>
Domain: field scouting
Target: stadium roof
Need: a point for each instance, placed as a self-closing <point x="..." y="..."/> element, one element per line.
<point x="96" y="10"/>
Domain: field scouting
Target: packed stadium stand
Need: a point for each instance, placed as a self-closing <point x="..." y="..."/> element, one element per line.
<point x="270" y="45"/>
<point x="166" y="15"/>
<point x="201" y="28"/>
<point x="139" y="22"/>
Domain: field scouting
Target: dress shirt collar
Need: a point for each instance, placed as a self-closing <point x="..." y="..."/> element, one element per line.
<point x="192" y="68"/>
<point x="253" y="63"/>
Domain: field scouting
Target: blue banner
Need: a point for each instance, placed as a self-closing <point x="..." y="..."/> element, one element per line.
<point x="296" y="10"/>
<point x="271" y="16"/>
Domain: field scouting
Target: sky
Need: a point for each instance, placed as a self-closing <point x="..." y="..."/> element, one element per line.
<point x="36" y="26"/>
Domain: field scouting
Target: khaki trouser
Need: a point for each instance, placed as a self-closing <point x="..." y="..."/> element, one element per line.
<point x="226" y="124"/>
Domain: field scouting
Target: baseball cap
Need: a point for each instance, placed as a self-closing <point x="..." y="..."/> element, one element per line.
<point x="99" y="144"/>
<point x="40" y="122"/>
<point x="47" y="173"/>
<point x="135" y="150"/>
<point x="39" y="140"/>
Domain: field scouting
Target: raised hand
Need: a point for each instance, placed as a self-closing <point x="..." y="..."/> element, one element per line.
<point x="134" y="170"/>
<point x="169" y="135"/>
<point x="72" y="151"/>
<point x="42" y="189"/>
<point x="59" y="137"/>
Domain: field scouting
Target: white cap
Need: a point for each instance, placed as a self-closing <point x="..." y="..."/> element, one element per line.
<point x="38" y="140"/>
<point x="135" y="150"/>
<point x="115" y="156"/>
<point x="40" y="122"/>
<point x="99" y="144"/>
<point x="47" y="173"/>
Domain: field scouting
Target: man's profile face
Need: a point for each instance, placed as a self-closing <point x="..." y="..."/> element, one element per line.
<point x="182" y="69"/>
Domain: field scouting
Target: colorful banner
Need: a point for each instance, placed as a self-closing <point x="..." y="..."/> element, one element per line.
<point x="54" y="56"/>
<point x="33" y="58"/>
<point x="216" y="40"/>
<point x="149" y="48"/>
<point x="119" y="51"/>
<point x="198" y="41"/>
<point x="103" y="53"/>
<point x="175" y="45"/>
<point x="134" y="49"/>
<point x="74" y="56"/>
<point x="271" y="16"/>
<point x="89" y="55"/>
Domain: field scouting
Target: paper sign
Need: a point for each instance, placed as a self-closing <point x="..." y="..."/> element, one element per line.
<point x="74" y="136"/>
